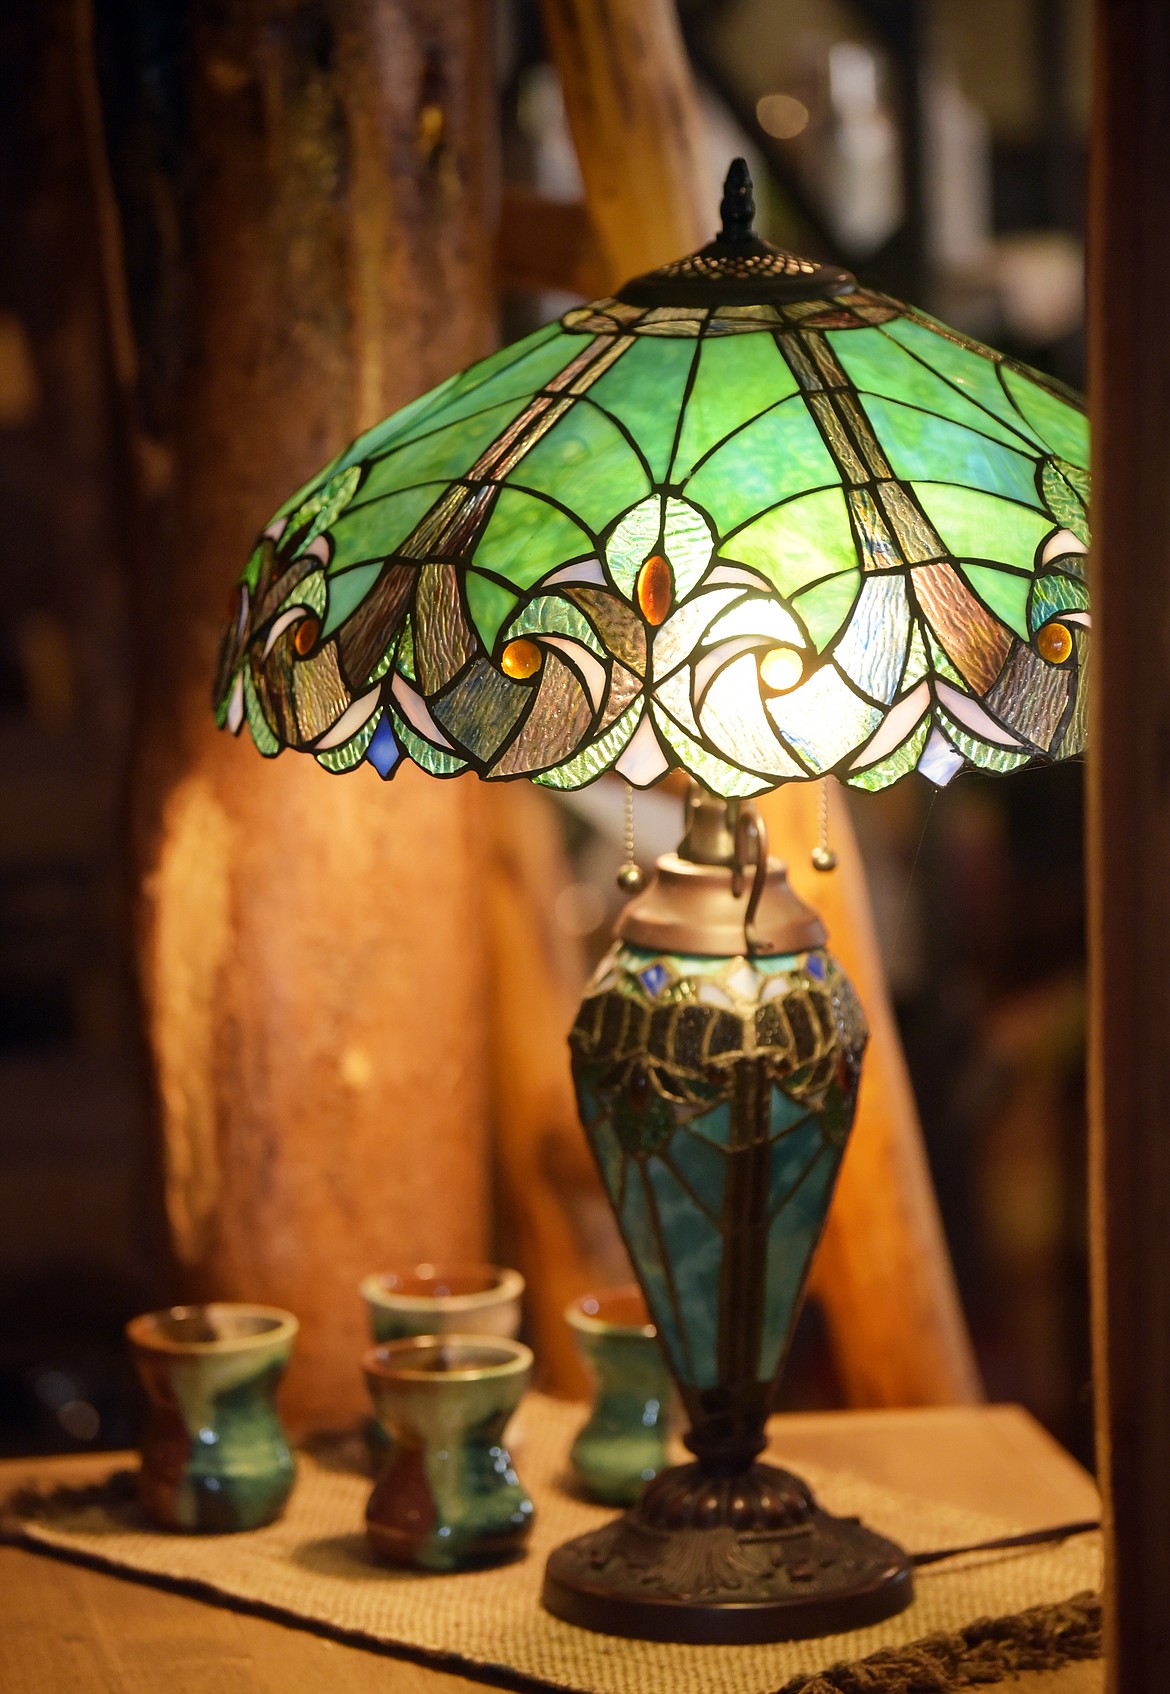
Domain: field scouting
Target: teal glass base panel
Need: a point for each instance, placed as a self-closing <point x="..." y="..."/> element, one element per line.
<point x="717" y="1095"/>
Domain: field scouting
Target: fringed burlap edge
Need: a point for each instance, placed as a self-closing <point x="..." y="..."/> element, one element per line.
<point x="984" y="1652"/>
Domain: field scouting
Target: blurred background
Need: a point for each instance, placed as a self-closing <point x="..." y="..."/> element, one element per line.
<point x="937" y="149"/>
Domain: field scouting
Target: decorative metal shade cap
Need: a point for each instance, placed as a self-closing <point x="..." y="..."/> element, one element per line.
<point x="746" y="518"/>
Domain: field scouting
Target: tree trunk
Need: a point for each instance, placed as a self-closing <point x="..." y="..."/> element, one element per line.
<point x="296" y="203"/>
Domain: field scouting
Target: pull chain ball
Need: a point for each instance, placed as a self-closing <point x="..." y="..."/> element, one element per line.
<point x="629" y="877"/>
<point x="823" y="856"/>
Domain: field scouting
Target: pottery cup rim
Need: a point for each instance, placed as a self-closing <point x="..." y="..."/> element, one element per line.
<point x="244" y="1327"/>
<point x="499" y="1283"/>
<point x="588" y="1313"/>
<point x="418" y="1359"/>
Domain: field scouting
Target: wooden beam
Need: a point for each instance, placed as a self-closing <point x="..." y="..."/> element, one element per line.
<point x="1129" y="827"/>
<point x="899" y="1333"/>
<point x="634" y="116"/>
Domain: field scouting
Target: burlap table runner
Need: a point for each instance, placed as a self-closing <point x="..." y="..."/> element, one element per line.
<point x="314" y="1567"/>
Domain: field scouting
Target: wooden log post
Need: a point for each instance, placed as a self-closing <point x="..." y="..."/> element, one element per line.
<point x="297" y="234"/>
<point x="1129" y="829"/>
<point x="883" y="1273"/>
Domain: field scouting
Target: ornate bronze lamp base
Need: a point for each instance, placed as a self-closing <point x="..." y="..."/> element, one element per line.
<point x="716" y="1058"/>
<point x="732" y="1559"/>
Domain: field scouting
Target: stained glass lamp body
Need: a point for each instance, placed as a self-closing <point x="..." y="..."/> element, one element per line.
<point x="755" y="522"/>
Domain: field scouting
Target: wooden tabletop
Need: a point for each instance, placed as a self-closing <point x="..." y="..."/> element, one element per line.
<point x="65" y="1629"/>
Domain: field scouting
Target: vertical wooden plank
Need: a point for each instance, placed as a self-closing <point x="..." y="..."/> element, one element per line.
<point x="1129" y="827"/>
<point x="898" y="1333"/>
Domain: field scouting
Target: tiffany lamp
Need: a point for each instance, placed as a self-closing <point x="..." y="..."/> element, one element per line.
<point x="754" y="522"/>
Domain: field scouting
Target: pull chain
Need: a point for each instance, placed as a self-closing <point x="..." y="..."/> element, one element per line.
<point x="629" y="877"/>
<point x="823" y="856"/>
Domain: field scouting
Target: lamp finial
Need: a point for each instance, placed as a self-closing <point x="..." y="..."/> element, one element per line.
<point x="737" y="207"/>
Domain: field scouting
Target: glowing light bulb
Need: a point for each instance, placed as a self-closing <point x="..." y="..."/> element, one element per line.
<point x="781" y="668"/>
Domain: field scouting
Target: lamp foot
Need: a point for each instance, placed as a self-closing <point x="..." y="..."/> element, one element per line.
<point x="732" y="1559"/>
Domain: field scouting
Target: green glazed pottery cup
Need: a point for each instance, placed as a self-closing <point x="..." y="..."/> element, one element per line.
<point x="465" y="1299"/>
<point x="443" y="1300"/>
<point x="448" y="1497"/>
<point x="214" y="1454"/>
<point x="623" y="1444"/>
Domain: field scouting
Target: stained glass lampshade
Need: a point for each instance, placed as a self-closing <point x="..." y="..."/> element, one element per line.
<point x="753" y="521"/>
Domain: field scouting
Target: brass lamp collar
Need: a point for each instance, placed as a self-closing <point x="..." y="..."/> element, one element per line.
<point x="720" y="894"/>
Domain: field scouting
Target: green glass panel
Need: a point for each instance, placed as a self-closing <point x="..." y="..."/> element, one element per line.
<point x="506" y="357"/>
<point x="309" y="591"/>
<point x="826" y="607"/>
<point x="548" y="614"/>
<point x="490" y="604"/>
<point x="694" y="1252"/>
<point x="981" y="753"/>
<point x="372" y="528"/>
<point x="1066" y="501"/>
<point x="644" y="390"/>
<point x="526" y="537"/>
<point x="406" y="652"/>
<point x="251" y="572"/>
<point x="586" y="463"/>
<point x="432" y="759"/>
<point x="918" y="444"/>
<point x="589" y="764"/>
<point x="346" y="592"/>
<point x="262" y="734"/>
<point x="351" y="752"/>
<point x="430" y="408"/>
<point x="918" y="659"/>
<point x="1004" y="593"/>
<point x="736" y="379"/>
<point x="780" y="454"/>
<point x="516" y="380"/>
<point x="1063" y="427"/>
<point x="714" y="773"/>
<point x="975" y="372"/>
<point x="895" y="765"/>
<point x="878" y="365"/>
<point x="798" y="543"/>
<point x="1052" y="594"/>
<point x="439" y="454"/>
<point x="984" y="526"/>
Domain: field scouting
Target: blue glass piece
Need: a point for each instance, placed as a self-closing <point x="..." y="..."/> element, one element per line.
<point x="611" y="1158"/>
<point x="695" y="1250"/>
<point x="654" y="979"/>
<point x="791" y="1239"/>
<point x="815" y="966"/>
<point x="383" y="751"/>
<point x="791" y="1157"/>
<point x="644" y="1250"/>
<point x="786" y="1113"/>
<point x="701" y="1166"/>
<point x="714" y="1125"/>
